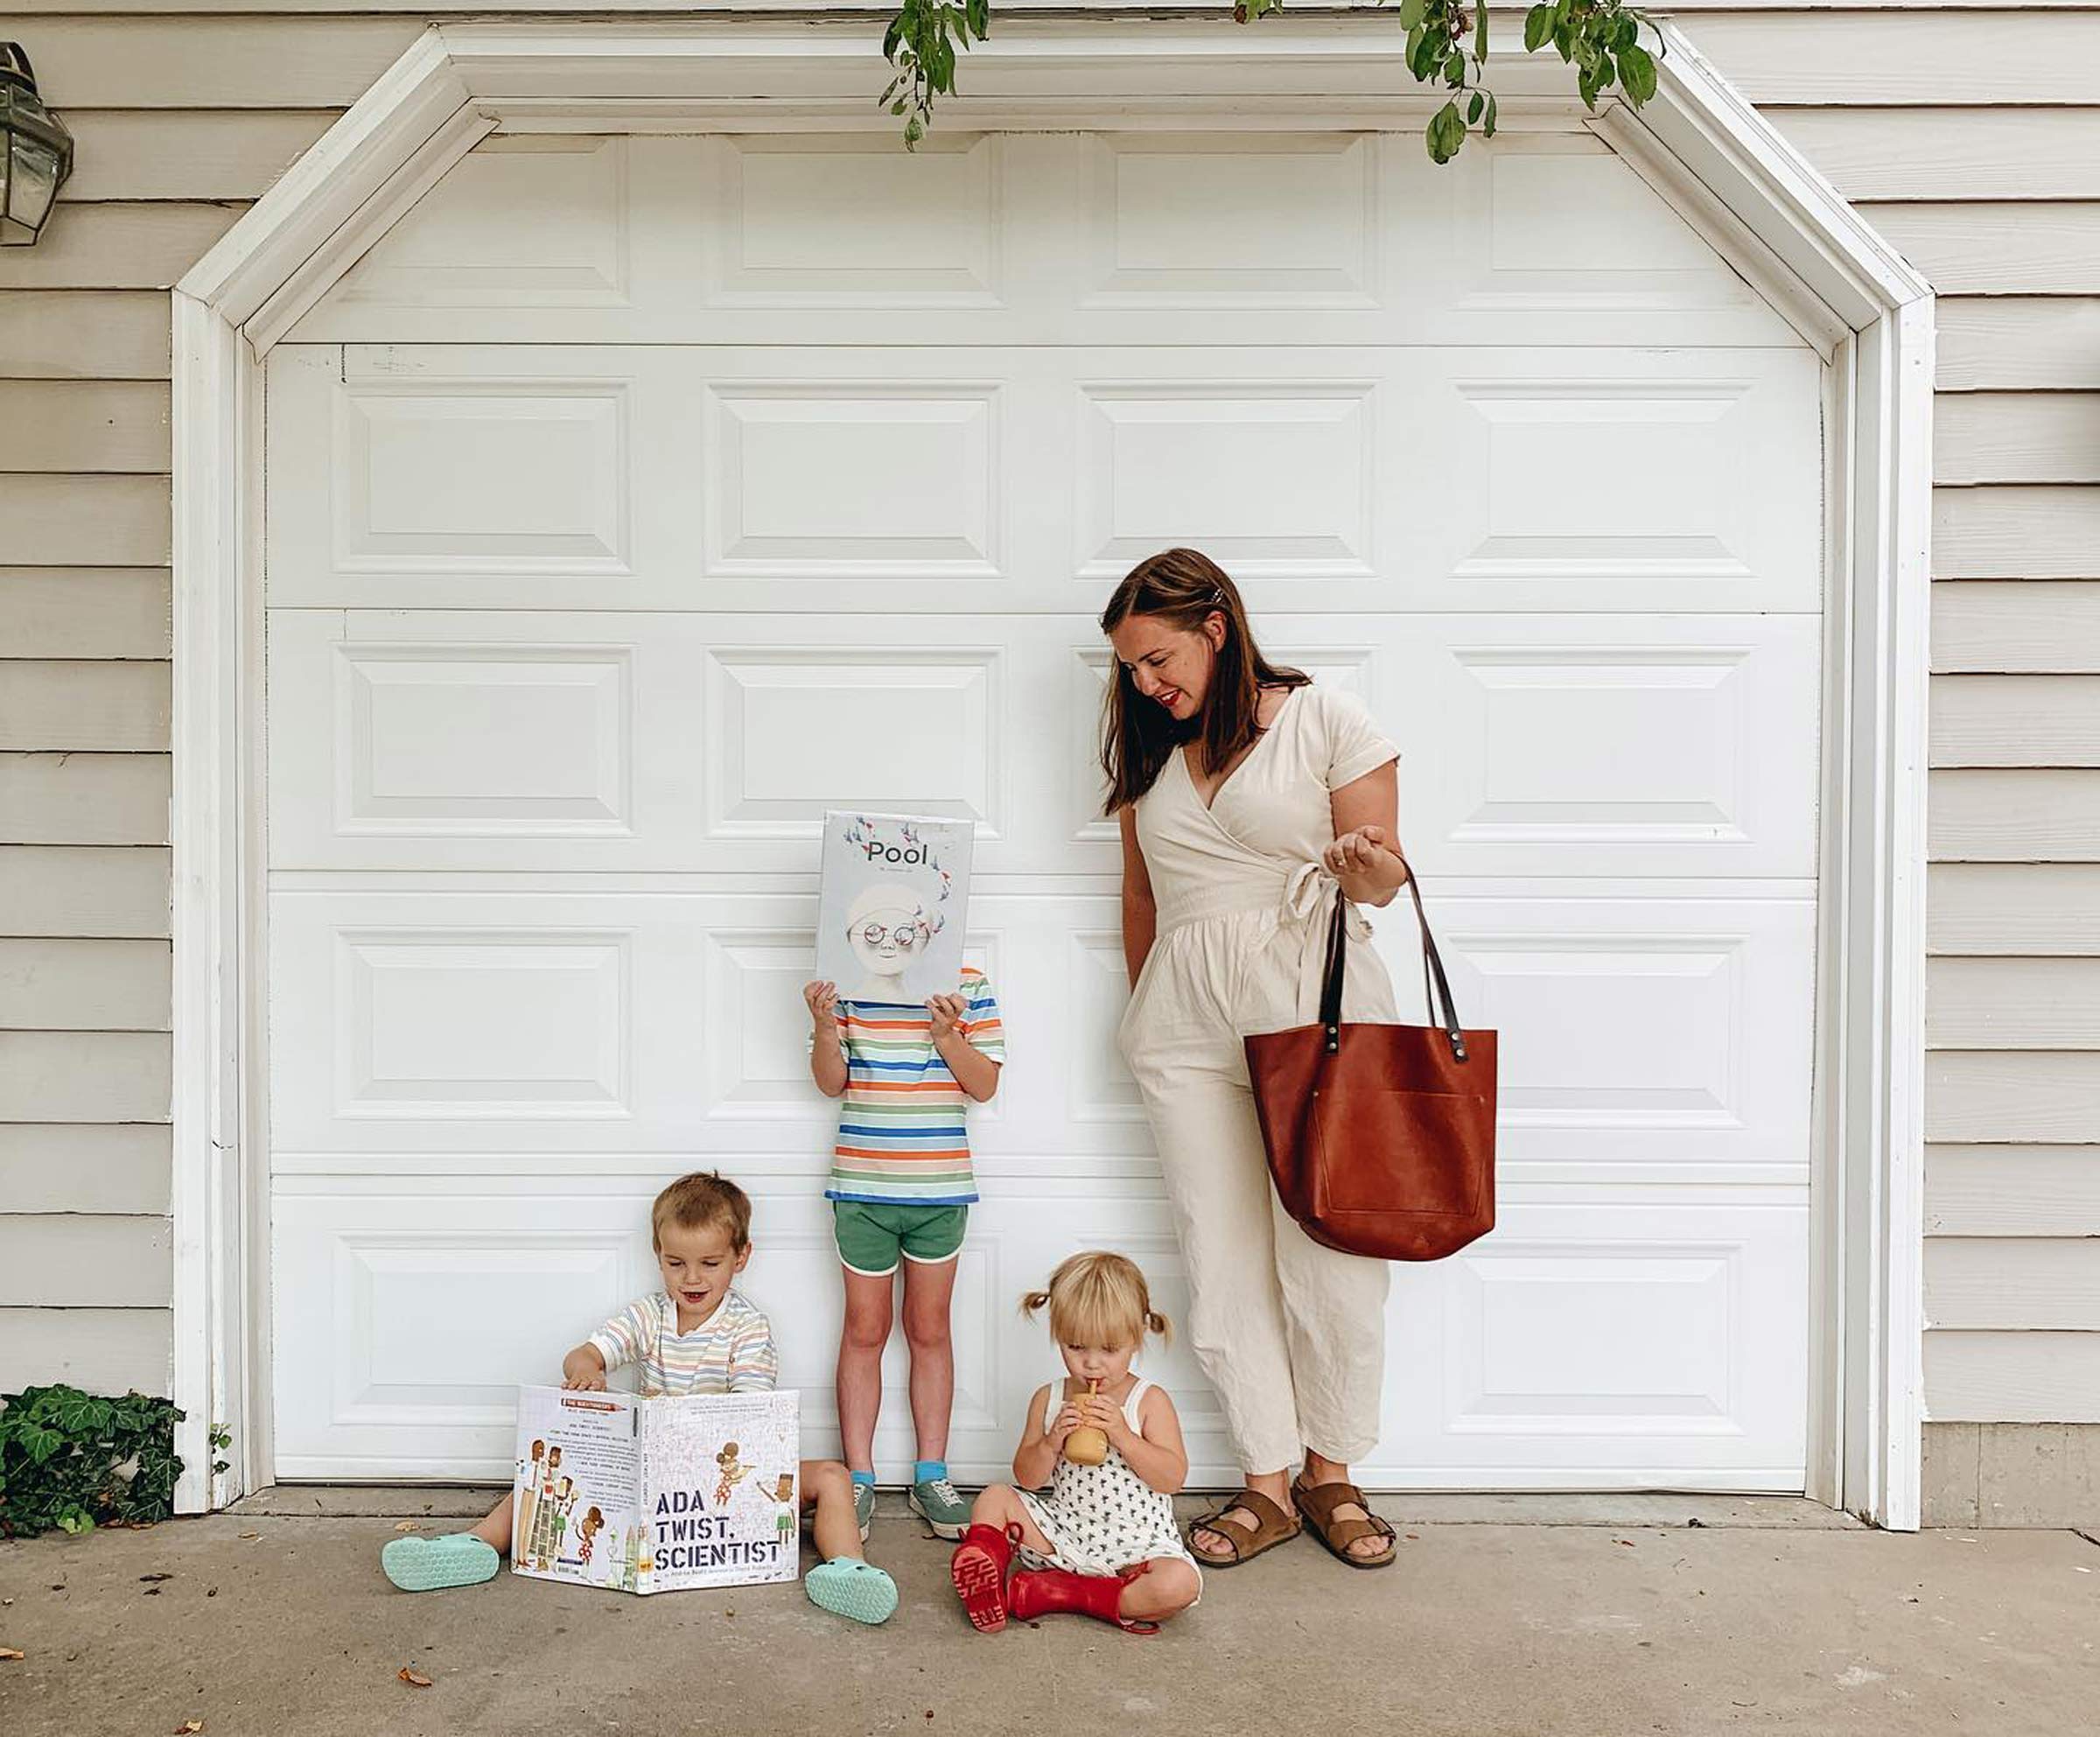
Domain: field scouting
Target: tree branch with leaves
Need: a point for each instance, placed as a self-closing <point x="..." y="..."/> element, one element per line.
<point x="1447" y="47"/>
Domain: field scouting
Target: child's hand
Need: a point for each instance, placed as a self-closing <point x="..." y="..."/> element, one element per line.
<point x="584" y="1370"/>
<point x="1104" y="1414"/>
<point x="822" y="998"/>
<point x="943" y="1011"/>
<point x="1063" y="1424"/>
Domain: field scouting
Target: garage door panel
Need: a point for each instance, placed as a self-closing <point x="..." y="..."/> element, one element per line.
<point x="1606" y="1344"/>
<point x="455" y="1021"/>
<point x="1592" y="745"/>
<point x="1148" y="236"/>
<point x="1165" y="462"/>
<point x="1522" y="522"/>
<point x="382" y="1274"/>
<point x="1661" y="1036"/>
<point x="1608" y="745"/>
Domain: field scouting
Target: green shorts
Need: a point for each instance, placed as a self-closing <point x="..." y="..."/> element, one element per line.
<point x="874" y="1234"/>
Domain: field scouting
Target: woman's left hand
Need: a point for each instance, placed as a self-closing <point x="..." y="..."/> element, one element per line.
<point x="1357" y="852"/>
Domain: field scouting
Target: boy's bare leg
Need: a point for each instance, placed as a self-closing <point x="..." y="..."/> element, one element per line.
<point x="828" y="1490"/>
<point x="494" y="1527"/>
<point x="865" y="1332"/>
<point x="928" y="1290"/>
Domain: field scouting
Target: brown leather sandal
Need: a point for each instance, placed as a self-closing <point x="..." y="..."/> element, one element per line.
<point x="1318" y="1503"/>
<point x="1272" y="1526"/>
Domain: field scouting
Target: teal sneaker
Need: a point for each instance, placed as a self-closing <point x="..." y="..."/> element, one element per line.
<point x="937" y="1502"/>
<point x="846" y="1587"/>
<point x="418" y="1565"/>
<point x="863" y="1508"/>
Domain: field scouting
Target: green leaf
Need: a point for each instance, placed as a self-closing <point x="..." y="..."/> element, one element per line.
<point x="1637" y="73"/>
<point x="1480" y="32"/>
<point x="1538" y="25"/>
<point x="1487" y="121"/>
<point x="1474" y="109"/>
<point x="1412" y="12"/>
<point x="1446" y="133"/>
<point x="1454" y="69"/>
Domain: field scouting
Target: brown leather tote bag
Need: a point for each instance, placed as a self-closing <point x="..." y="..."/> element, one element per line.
<point x="1380" y="1139"/>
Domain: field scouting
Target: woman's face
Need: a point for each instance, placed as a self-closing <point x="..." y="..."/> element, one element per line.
<point x="1169" y="666"/>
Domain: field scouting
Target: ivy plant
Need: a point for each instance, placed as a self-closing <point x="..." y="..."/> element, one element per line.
<point x="70" y="1460"/>
<point x="1447" y="48"/>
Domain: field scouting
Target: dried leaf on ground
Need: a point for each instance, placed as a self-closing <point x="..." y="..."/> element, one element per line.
<point x="414" y="1679"/>
<point x="250" y="1537"/>
<point x="408" y="1526"/>
<point x="147" y="1579"/>
<point x="9" y="1652"/>
<point x="189" y="1727"/>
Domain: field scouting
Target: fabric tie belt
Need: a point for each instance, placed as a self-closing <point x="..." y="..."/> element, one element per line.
<point x="1305" y="894"/>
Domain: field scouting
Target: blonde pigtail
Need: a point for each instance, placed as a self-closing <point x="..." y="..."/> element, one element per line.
<point x="1034" y="1301"/>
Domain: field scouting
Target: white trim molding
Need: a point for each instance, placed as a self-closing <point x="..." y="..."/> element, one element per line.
<point x="1709" y="154"/>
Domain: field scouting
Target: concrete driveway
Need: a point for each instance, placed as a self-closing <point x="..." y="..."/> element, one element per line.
<point x="1503" y="1615"/>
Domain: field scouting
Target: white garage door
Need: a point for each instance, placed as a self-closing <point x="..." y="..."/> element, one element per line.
<point x="636" y="499"/>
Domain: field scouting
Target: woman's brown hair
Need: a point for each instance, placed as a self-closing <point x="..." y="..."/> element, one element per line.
<point x="1184" y="588"/>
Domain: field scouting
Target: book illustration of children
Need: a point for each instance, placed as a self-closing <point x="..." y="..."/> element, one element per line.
<point x="697" y="1336"/>
<point x="782" y="1496"/>
<point x="734" y="1473"/>
<point x="540" y="1535"/>
<point x="528" y="1489"/>
<point x="564" y="1503"/>
<point x="587" y="1533"/>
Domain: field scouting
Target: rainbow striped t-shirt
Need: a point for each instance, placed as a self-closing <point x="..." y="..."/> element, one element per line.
<point x="901" y="1130"/>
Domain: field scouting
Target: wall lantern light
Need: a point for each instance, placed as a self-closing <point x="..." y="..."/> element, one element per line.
<point x="36" y="152"/>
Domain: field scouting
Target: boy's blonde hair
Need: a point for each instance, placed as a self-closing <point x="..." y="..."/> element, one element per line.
<point x="1099" y="1298"/>
<point x="702" y="1198"/>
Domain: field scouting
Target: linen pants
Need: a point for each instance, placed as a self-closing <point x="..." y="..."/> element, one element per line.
<point x="1289" y="1333"/>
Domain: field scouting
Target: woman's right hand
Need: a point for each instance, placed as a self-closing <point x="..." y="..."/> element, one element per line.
<point x="822" y="998"/>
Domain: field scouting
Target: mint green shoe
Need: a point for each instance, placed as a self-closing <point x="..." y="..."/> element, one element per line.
<point x="937" y="1502"/>
<point x="430" y="1565"/>
<point x="847" y="1587"/>
<point x="863" y="1508"/>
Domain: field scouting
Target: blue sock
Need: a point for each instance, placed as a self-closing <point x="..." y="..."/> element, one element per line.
<point x="867" y="1478"/>
<point x="925" y="1471"/>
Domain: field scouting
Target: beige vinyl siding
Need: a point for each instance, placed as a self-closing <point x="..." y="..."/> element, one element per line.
<point x="1972" y="135"/>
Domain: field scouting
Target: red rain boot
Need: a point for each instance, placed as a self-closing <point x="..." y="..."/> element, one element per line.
<point x="1047" y="1591"/>
<point x="978" y="1568"/>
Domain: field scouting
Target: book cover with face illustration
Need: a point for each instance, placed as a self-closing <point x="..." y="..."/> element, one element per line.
<point x="889" y="912"/>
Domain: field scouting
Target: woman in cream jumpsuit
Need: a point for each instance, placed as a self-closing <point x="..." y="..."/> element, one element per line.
<point x="1229" y="883"/>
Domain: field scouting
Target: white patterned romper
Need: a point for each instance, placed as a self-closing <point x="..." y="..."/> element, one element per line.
<point x="1102" y="1519"/>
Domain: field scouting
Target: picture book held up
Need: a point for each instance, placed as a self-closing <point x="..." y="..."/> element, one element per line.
<point x="890" y="909"/>
<point x="656" y="1495"/>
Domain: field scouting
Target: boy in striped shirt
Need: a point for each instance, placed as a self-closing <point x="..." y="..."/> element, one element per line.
<point x="699" y="1334"/>
<point x="901" y="1189"/>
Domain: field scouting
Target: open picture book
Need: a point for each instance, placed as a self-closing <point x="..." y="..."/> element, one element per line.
<point x="656" y="1495"/>
<point x="890" y="906"/>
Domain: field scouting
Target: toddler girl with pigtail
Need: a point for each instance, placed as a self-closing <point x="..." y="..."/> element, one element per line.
<point x="1103" y="1542"/>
